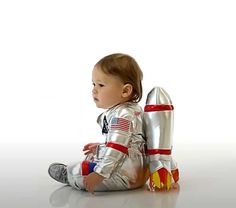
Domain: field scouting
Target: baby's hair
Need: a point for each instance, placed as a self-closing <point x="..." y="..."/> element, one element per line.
<point x="127" y="69"/>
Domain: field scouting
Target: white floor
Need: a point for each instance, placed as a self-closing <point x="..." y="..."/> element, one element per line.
<point x="207" y="179"/>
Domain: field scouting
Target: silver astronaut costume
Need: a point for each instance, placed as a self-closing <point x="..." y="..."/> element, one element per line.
<point x="121" y="159"/>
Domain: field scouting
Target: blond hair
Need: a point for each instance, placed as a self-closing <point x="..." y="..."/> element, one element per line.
<point x="127" y="69"/>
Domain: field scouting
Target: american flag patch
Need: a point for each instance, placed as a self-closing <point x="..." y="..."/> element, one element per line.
<point x="120" y="124"/>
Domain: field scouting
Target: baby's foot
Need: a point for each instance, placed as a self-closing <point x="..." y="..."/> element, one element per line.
<point x="58" y="172"/>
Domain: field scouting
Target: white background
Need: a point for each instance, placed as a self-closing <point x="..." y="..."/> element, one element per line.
<point x="48" y="49"/>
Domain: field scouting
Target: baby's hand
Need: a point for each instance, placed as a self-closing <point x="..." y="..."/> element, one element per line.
<point x="90" y="148"/>
<point x="92" y="180"/>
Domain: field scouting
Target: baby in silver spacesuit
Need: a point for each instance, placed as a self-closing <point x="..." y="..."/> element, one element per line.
<point x="120" y="162"/>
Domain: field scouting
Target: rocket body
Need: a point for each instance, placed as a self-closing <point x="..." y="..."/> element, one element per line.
<point x="159" y="125"/>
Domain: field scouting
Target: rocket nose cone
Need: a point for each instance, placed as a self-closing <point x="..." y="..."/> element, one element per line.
<point x="158" y="96"/>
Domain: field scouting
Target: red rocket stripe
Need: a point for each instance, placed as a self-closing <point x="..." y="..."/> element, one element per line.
<point x="118" y="147"/>
<point x="151" y="108"/>
<point x="159" y="151"/>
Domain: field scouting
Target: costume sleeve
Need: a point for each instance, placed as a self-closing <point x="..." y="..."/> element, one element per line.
<point x="118" y="138"/>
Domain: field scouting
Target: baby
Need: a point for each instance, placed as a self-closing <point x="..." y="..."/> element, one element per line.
<point x="120" y="162"/>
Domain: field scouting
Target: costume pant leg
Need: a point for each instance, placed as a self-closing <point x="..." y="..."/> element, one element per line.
<point x="130" y="175"/>
<point x="75" y="177"/>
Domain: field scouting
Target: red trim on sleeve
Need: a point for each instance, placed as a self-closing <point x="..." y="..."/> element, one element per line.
<point x="118" y="147"/>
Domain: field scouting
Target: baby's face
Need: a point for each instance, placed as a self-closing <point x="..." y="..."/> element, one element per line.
<point x="108" y="90"/>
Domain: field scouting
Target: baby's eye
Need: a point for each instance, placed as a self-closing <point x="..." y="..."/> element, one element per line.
<point x="99" y="85"/>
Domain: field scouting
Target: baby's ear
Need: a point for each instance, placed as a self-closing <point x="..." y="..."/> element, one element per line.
<point x="127" y="90"/>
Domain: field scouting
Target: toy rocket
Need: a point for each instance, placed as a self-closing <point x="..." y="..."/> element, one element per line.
<point x="159" y="121"/>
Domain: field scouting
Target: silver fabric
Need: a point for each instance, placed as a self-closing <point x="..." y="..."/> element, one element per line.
<point x="159" y="130"/>
<point x="159" y="124"/>
<point x="158" y="96"/>
<point x="121" y="171"/>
